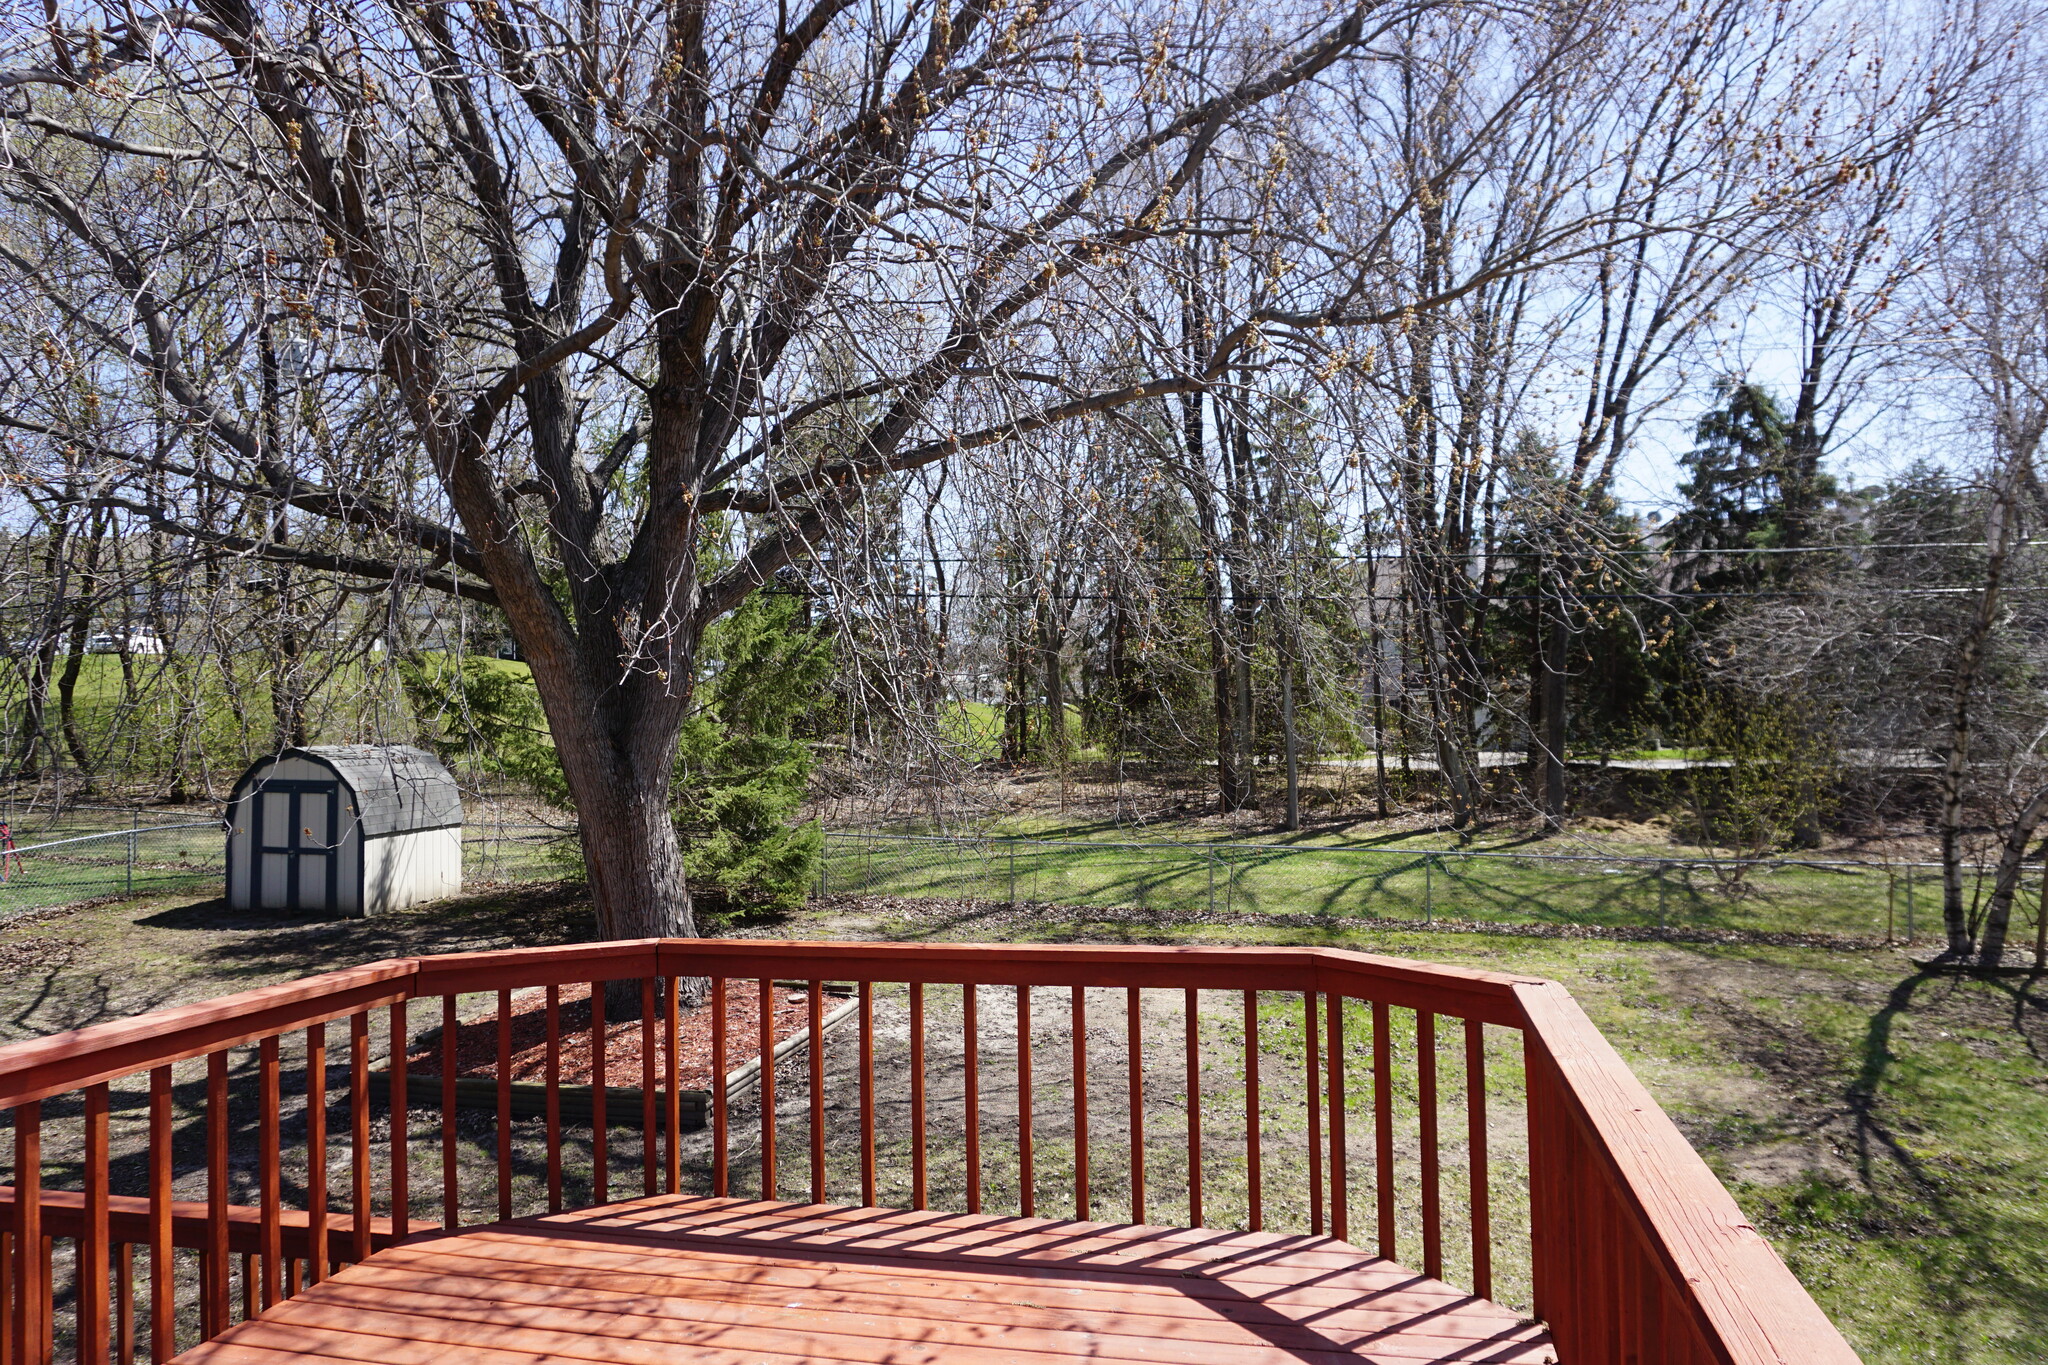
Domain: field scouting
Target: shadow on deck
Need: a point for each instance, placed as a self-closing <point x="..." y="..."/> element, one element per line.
<point x="731" y="1280"/>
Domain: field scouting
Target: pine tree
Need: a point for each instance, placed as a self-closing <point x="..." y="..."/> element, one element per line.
<point x="742" y="766"/>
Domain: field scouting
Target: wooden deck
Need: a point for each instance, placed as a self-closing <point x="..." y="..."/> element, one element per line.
<point x="680" y="1278"/>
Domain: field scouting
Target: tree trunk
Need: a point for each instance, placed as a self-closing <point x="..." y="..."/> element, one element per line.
<point x="1969" y="662"/>
<point x="1556" y="639"/>
<point x="634" y="859"/>
<point x="35" y="709"/>
<point x="1050" y="643"/>
<point x="67" y="694"/>
<point x="1016" y="716"/>
<point x="287" y="702"/>
<point x="1293" y="749"/>
<point x="630" y="850"/>
<point x="1998" y="915"/>
<point x="1379" y="735"/>
<point x="1232" y="783"/>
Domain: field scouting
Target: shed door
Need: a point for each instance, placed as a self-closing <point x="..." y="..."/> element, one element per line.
<point x="296" y="846"/>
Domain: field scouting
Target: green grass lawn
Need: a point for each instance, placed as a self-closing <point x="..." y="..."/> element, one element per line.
<point x="1407" y="881"/>
<point x="1888" y="1131"/>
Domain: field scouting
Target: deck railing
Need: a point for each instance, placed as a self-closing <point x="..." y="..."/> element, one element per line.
<point x="179" y="1169"/>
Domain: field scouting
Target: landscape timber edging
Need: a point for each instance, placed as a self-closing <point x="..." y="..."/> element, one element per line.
<point x="622" y="1103"/>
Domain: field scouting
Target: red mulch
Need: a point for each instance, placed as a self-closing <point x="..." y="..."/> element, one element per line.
<point x="476" y="1042"/>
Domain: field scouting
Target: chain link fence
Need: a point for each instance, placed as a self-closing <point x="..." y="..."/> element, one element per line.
<point x="142" y="859"/>
<point x="493" y="852"/>
<point x="1896" y="901"/>
<point x="190" y="856"/>
<point x="1892" y="901"/>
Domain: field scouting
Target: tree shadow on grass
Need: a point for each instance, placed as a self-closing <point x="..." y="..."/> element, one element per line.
<point x="1931" y="1204"/>
<point x="269" y="945"/>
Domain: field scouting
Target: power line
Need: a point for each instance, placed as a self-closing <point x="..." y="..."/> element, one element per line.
<point x="1397" y="556"/>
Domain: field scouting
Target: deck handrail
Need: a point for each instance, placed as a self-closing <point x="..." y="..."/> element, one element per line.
<point x="1636" y="1250"/>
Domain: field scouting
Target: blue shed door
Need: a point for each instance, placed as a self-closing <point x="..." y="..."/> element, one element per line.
<point x="295" y="844"/>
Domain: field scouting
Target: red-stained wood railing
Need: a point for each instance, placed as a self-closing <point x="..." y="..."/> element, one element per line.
<point x="1635" y="1251"/>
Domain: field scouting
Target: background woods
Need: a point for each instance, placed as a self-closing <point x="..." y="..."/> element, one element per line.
<point x="676" y="410"/>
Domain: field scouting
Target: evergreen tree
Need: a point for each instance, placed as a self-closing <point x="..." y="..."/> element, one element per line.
<point x="742" y="767"/>
<point x="1741" y="474"/>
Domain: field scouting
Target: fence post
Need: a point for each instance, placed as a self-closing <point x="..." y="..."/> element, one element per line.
<point x="1428" y="877"/>
<point x="1909" y="904"/>
<point x="1663" y="890"/>
<point x="824" y="861"/>
<point x="1013" y="870"/>
<point x="1210" y="858"/>
<point x="134" y="823"/>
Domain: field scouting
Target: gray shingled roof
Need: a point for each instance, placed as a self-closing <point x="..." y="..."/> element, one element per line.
<point x="398" y="788"/>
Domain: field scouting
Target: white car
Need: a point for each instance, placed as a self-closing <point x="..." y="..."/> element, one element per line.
<point x="143" y="641"/>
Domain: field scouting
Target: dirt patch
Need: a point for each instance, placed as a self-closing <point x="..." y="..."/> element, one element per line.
<point x="1788" y="1163"/>
<point x="78" y="965"/>
<point x="28" y="954"/>
<point x="476" y="1040"/>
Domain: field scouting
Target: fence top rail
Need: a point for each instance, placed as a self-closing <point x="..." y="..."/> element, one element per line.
<point x="61" y="1062"/>
<point x="1487" y="996"/>
<point x="1218" y="846"/>
<point x="111" y="834"/>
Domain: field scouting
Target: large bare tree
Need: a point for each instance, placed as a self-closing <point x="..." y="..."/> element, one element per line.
<point x="601" y="312"/>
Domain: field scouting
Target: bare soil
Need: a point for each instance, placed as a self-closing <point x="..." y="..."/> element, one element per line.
<point x="476" y="1044"/>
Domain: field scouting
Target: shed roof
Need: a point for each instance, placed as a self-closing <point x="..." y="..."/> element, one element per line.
<point x="398" y="789"/>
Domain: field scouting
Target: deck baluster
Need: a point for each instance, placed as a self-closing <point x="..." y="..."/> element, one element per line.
<point x="600" y="1130"/>
<point x="269" y="1173"/>
<point x="970" y="1038"/>
<point x="719" y="1166"/>
<point x="215" y="1268"/>
<point x="163" y="1286"/>
<point x="866" y="1023"/>
<point x="316" y="1153"/>
<point x="918" y="1155"/>
<point x="30" y="1327"/>
<point x="1432" y="1170"/>
<point x="124" y="1304"/>
<point x="505" y="1103"/>
<point x="1340" y="1157"/>
<point x="672" y="1118"/>
<point x="359" y="1130"/>
<point x="766" y="1037"/>
<point x="1134" y="1047"/>
<point x="1480" y="1197"/>
<point x="451" y="1152"/>
<point x="401" y="1126"/>
<point x="1383" y="1125"/>
<point x="1084" y="1207"/>
<point x="1191" y="1013"/>
<point x="816" y="1026"/>
<point x="92" y="1265"/>
<point x="1027" y="1169"/>
<point x="1254" y="1166"/>
<point x="553" y="1063"/>
<point x="1311" y="1046"/>
<point x="650" y="1160"/>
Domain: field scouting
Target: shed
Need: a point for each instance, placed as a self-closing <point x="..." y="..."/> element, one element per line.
<point x="357" y="829"/>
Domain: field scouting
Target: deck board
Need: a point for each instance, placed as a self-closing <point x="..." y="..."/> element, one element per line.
<point x="726" y="1281"/>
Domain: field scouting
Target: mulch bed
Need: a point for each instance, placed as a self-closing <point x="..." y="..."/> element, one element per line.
<point x="476" y="1041"/>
